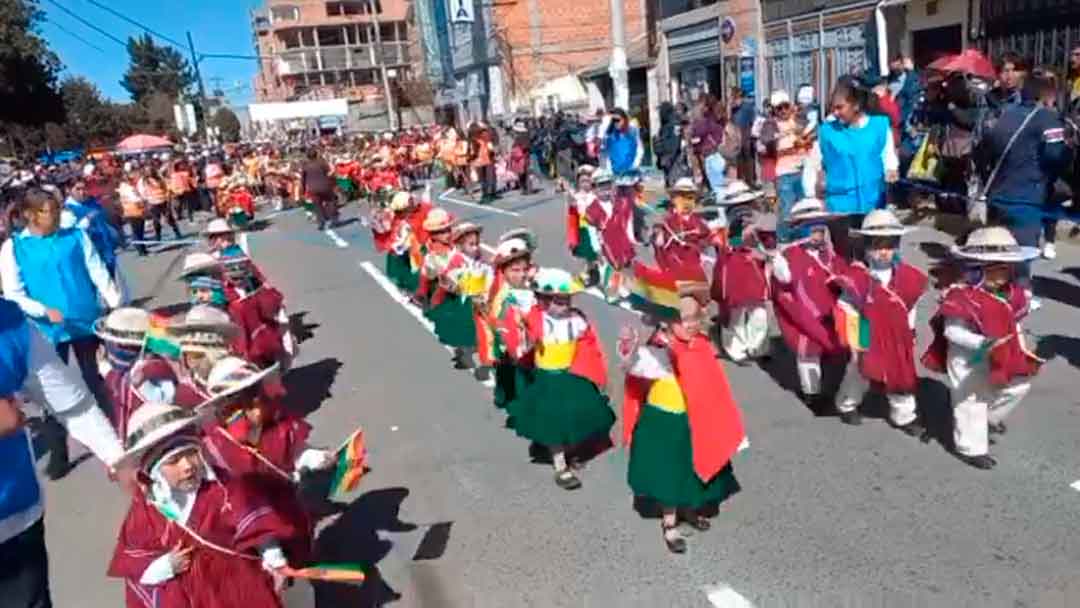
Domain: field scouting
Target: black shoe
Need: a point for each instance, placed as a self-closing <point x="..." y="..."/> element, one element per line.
<point x="566" y="480"/>
<point x="462" y="360"/>
<point x="854" y="418"/>
<point x="482" y="373"/>
<point x="913" y="429"/>
<point x="59" y="464"/>
<point x="698" y="522"/>
<point x="999" y="428"/>
<point x="982" y="461"/>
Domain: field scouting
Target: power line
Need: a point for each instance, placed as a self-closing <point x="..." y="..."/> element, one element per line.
<point x="75" y="36"/>
<point x="88" y="24"/>
<point x="137" y="24"/>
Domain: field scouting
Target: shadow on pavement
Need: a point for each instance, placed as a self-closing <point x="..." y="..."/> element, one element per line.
<point x="1056" y="289"/>
<point x="782" y="369"/>
<point x="935" y="409"/>
<point x="309" y="385"/>
<point x="300" y="330"/>
<point x="353" y="537"/>
<point x="1057" y="345"/>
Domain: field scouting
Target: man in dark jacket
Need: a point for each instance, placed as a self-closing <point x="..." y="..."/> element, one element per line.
<point x="666" y="144"/>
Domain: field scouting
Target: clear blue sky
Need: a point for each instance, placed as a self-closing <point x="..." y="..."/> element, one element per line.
<point x="217" y="26"/>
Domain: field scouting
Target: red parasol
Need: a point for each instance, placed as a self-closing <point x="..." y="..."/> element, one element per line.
<point x="970" y="61"/>
<point x="143" y="142"/>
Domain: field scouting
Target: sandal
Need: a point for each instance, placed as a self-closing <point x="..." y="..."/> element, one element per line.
<point x="566" y="480"/>
<point x="673" y="539"/>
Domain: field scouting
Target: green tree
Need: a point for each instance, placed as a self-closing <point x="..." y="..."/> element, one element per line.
<point x="226" y="120"/>
<point x="155" y="69"/>
<point x="28" y="71"/>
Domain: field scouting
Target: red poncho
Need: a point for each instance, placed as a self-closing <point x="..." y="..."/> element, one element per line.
<point x="804" y="306"/>
<point x="616" y="245"/>
<point x="680" y="241"/>
<point x="890" y="359"/>
<point x="230" y="514"/>
<point x="740" y="279"/>
<point x="992" y="317"/>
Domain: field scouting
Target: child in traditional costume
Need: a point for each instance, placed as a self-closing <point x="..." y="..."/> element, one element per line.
<point x="682" y="235"/>
<point x="680" y="419"/>
<point x="221" y="239"/>
<point x="615" y="225"/>
<point x="193" y="536"/>
<point x="804" y="299"/>
<point x="206" y="335"/>
<point x="451" y="316"/>
<point x="132" y="374"/>
<point x="509" y="300"/>
<point x="582" y="238"/>
<point x="880" y="297"/>
<point x="396" y="235"/>
<point x="254" y="437"/>
<point x="462" y="283"/>
<point x="741" y="287"/>
<point x="565" y="404"/>
<point x="979" y="343"/>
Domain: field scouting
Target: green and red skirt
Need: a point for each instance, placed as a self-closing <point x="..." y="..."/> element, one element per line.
<point x="560" y="408"/>
<point x="510" y="380"/>
<point x="584" y="248"/>
<point x="662" y="464"/>
<point x="454" y="322"/>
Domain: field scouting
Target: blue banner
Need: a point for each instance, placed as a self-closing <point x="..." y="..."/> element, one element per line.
<point x="442" y="28"/>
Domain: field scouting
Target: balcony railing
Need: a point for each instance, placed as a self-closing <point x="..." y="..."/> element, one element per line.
<point x="312" y="60"/>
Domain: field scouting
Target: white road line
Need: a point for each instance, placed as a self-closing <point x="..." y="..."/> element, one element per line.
<point x="1075" y="485"/>
<point x="446" y="199"/>
<point x="243" y="238"/>
<point x="340" y="242"/>
<point x="596" y="293"/>
<point x="723" y="596"/>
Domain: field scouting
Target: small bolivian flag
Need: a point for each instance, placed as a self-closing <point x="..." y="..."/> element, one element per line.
<point x="350" y="466"/>
<point x="158" y="340"/>
<point x="852" y="328"/>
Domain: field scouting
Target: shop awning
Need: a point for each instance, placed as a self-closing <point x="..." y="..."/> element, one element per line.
<point x="637" y="56"/>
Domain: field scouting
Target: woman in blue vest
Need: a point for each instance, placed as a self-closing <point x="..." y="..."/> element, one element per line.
<point x="856" y="152"/>
<point x="28" y="365"/>
<point x="57" y="278"/>
<point x="84" y="211"/>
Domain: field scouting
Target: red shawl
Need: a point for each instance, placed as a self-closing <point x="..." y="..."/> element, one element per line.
<point x="573" y="222"/>
<point x="684" y="237"/>
<point x="260" y="339"/>
<point x="589" y="360"/>
<point x="716" y="426"/>
<point x="992" y="317"/>
<point x="230" y="514"/>
<point x="614" y="230"/>
<point x="890" y="359"/>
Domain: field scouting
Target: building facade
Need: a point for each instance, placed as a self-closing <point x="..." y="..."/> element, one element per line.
<point x="333" y="49"/>
<point x="712" y="49"/>
<point x="1044" y="30"/>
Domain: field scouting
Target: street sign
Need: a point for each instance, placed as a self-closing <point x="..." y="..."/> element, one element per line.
<point x="727" y="29"/>
<point x="461" y="11"/>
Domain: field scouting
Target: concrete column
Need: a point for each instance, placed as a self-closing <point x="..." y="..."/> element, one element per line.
<point x="618" y="68"/>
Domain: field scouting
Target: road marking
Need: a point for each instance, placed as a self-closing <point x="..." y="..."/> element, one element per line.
<point x="273" y="214"/>
<point x="411" y="308"/>
<point x="1075" y="485"/>
<point x="623" y="304"/>
<point x="340" y="242"/>
<point x="723" y="596"/>
<point x="446" y="199"/>
<point x="243" y="239"/>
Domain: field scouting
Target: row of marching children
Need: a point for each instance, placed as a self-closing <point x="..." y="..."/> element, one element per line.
<point x="858" y="314"/>
<point x="197" y="408"/>
<point x="504" y="316"/>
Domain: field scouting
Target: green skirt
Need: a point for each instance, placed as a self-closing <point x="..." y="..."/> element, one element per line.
<point x="454" y="323"/>
<point x="584" y="249"/>
<point x="346" y="185"/>
<point x="400" y="272"/>
<point x="662" y="464"/>
<point x="509" y="381"/>
<point x="559" y="408"/>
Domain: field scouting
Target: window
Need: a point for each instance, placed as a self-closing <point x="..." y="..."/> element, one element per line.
<point x="284" y="12"/>
<point x="349" y="8"/>
<point x="330" y="36"/>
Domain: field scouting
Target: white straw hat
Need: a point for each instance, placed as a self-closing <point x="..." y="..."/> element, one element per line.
<point x="993" y="244"/>
<point x="231" y="375"/>
<point x="882" y="222"/>
<point x="124" y="326"/>
<point x="737" y="192"/>
<point x="556" y="281"/>
<point x="511" y="250"/>
<point x="218" y="226"/>
<point x="205" y="318"/>
<point x="153" y="423"/>
<point x="199" y="263"/>
<point x="808" y="210"/>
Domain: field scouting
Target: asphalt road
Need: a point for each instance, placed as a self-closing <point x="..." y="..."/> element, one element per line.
<point x="455" y="513"/>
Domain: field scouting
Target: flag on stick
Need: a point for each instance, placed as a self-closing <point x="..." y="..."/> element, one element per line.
<point x="158" y="340"/>
<point x="852" y="328"/>
<point x="350" y="465"/>
<point x="337" y="573"/>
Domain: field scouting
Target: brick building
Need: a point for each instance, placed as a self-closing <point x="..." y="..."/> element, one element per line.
<point x="541" y="40"/>
<point x="331" y="49"/>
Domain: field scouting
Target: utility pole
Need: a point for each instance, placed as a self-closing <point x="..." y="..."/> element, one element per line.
<point x="391" y="115"/>
<point x="618" y="67"/>
<point x="198" y="80"/>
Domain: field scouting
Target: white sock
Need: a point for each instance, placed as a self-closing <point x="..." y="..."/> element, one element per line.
<point x="559" y="460"/>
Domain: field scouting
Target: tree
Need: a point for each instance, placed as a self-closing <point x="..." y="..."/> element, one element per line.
<point x="28" y="70"/>
<point x="227" y="122"/>
<point x="155" y="69"/>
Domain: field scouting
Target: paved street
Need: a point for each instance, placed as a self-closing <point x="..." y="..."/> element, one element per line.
<point x="454" y="513"/>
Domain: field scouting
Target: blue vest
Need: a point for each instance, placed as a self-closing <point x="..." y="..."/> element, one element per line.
<point x="851" y="158"/>
<point x="102" y="234"/>
<point x="622" y="150"/>
<point x="53" y="268"/>
<point x="19" y="488"/>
